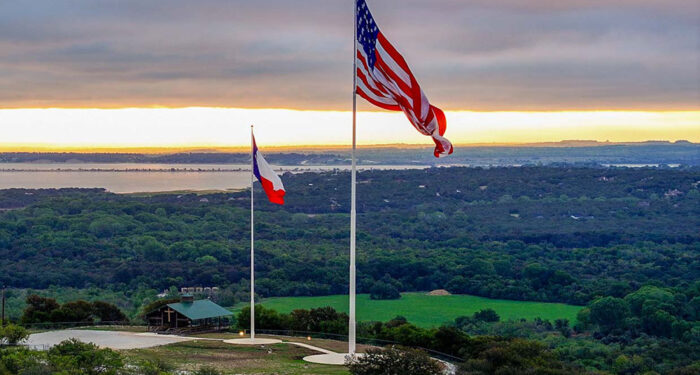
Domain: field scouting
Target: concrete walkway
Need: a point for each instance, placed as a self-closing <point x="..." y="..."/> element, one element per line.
<point x="307" y="346"/>
<point x="137" y="340"/>
<point x="331" y="358"/>
<point x="328" y="357"/>
<point x="255" y="341"/>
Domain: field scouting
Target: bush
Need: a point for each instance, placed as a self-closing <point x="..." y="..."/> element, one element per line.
<point x="487" y="315"/>
<point x="382" y="290"/>
<point x="76" y="357"/>
<point x="13" y="334"/>
<point x="562" y="325"/>
<point x="206" y="370"/>
<point x="155" y="367"/>
<point x="264" y="318"/>
<point x="43" y="310"/>
<point x="394" y="361"/>
<point x="322" y="319"/>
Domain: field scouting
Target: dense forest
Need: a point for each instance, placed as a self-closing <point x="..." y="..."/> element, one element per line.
<point x="623" y="242"/>
<point x="644" y="333"/>
<point x="530" y="233"/>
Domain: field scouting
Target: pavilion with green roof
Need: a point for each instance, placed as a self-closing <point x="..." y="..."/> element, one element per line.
<point x="188" y="315"/>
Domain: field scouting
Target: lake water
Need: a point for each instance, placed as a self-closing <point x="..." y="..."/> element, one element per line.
<point x="137" y="177"/>
<point x="132" y="178"/>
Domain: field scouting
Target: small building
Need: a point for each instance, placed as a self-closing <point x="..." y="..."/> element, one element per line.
<point x="188" y="315"/>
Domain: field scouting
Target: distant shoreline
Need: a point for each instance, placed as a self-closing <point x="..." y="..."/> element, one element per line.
<point x="320" y="148"/>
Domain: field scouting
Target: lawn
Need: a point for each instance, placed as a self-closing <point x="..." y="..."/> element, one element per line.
<point x="235" y="359"/>
<point x="424" y="310"/>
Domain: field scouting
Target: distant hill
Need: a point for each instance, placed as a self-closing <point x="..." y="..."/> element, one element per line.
<point x="569" y="151"/>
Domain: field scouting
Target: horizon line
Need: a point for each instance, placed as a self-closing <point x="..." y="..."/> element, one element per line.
<point x="328" y="147"/>
<point x="370" y="110"/>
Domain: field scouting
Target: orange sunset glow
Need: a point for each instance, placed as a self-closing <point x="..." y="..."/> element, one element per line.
<point x="178" y="76"/>
<point x="224" y="128"/>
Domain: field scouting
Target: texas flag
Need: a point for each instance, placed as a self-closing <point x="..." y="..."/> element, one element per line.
<point x="271" y="182"/>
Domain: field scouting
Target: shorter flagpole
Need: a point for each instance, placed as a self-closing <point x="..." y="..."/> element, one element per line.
<point x="252" y="236"/>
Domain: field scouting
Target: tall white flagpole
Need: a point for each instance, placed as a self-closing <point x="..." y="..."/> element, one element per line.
<point x="252" y="238"/>
<point x="353" y="214"/>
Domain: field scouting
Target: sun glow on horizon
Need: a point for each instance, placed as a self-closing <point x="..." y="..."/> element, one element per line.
<point x="151" y="129"/>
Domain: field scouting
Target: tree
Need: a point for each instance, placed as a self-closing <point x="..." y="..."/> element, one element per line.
<point x="39" y="309"/>
<point x="322" y="319"/>
<point x="394" y="361"/>
<point x="583" y="320"/>
<point x="107" y="312"/>
<point x="694" y="308"/>
<point x="624" y="365"/>
<point x="562" y="325"/>
<point x="396" y="321"/>
<point x="658" y="323"/>
<point x="382" y="290"/>
<point x="487" y="315"/>
<point x="661" y="299"/>
<point x="75" y="311"/>
<point x="264" y="318"/>
<point x="106" y="227"/>
<point x="449" y="340"/>
<point x="609" y="312"/>
<point x="488" y="355"/>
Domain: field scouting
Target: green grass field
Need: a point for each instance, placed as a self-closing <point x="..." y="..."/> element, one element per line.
<point x="424" y="310"/>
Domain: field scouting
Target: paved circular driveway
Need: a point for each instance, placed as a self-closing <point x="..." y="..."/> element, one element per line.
<point x="103" y="339"/>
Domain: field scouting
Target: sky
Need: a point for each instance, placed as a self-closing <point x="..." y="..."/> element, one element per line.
<point x="175" y="72"/>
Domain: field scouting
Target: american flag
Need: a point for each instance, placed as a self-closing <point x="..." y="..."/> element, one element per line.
<point x="385" y="80"/>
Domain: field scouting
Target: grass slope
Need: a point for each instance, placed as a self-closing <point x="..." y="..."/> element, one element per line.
<point x="234" y="359"/>
<point x="424" y="310"/>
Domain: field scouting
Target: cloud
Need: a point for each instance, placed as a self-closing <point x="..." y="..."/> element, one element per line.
<point x="478" y="55"/>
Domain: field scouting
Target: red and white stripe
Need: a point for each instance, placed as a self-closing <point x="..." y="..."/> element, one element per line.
<point x="391" y="85"/>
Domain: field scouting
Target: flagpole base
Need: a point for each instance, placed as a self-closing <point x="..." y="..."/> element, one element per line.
<point x="255" y="341"/>
<point x="338" y="359"/>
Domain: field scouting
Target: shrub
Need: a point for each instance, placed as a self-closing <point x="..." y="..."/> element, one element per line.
<point x="264" y="318"/>
<point x="206" y="370"/>
<point x="155" y="367"/>
<point x="487" y="315"/>
<point x="13" y="334"/>
<point x="562" y="325"/>
<point x="76" y="357"/>
<point x="382" y="290"/>
<point x="394" y="361"/>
